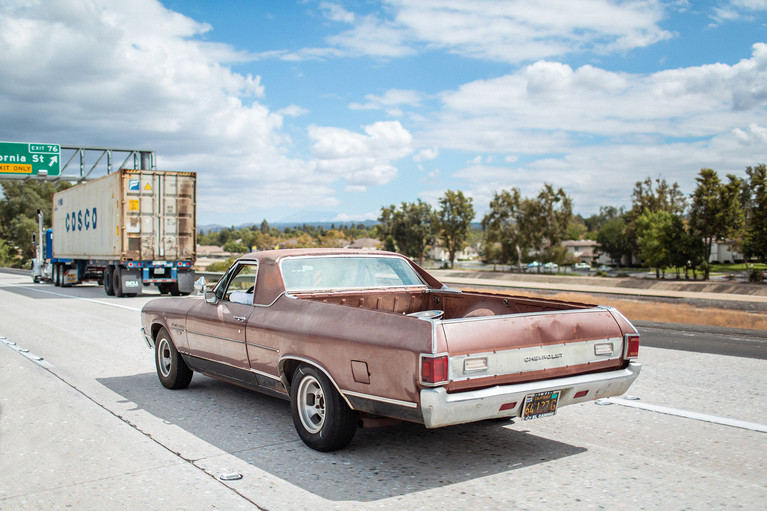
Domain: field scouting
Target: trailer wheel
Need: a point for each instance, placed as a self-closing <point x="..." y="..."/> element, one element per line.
<point x="117" y="281"/>
<point x="173" y="288"/>
<point x="164" y="288"/>
<point x="171" y="368"/>
<point x="57" y="274"/>
<point x="108" y="284"/>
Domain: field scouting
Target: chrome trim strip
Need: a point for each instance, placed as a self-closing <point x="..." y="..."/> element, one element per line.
<point x="215" y="337"/>
<point x="265" y="375"/>
<point x="268" y="348"/>
<point x="313" y="363"/>
<point x="407" y="404"/>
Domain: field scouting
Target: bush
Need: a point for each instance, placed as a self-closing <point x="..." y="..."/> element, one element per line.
<point x="755" y="276"/>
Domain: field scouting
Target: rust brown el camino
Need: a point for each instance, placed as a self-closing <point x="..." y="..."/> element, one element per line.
<point x="347" y="334"/>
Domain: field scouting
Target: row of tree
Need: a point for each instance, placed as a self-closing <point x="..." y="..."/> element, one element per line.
<point x="666" y="229"/>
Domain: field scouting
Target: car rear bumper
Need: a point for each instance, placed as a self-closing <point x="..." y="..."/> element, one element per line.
<point x="442" y="409"/>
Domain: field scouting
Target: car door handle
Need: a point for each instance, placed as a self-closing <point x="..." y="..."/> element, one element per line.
<point x="241" y="319"/>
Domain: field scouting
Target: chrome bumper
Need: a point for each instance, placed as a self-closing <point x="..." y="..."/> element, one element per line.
<point x="442" y="409"/>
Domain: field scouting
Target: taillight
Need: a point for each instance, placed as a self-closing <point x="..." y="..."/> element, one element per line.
<point x="433" y="369"/>
<point x="631" y="346"/>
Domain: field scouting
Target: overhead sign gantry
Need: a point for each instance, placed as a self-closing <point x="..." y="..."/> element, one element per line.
<point x="34" y="160"/>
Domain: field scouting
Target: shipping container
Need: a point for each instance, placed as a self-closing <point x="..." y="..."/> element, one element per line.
<point x="128" y="229"/>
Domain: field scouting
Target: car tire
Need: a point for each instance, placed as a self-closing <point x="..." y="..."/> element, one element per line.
<point x="171" y="368"/>
<point x="322" y="418"/>
<point x="56" y="274"/>
<point x="108" y="284"/>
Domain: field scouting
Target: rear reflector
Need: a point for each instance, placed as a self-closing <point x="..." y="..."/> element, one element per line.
<point x="433" y="369"/>
<point x="632" y="346"/>
<point x="580" y="394"/>
<point x="508" y="406"/>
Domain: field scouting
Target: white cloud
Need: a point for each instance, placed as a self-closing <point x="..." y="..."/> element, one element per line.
<point x="498" y="30"/>
<point x="737" y="10"/>
<point x="362" y="159"/>
<point x="549" y="99"/>
<point x="429" y="153"/>
<point x="391" y="101"/>
<point x="135" y="74"/>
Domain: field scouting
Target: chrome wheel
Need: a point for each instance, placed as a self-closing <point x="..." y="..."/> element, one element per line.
<point x="311" y="404"/>
<point x="164" y="357"/>
<point x="171" y="368"/>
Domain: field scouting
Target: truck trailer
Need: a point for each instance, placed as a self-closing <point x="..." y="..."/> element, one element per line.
<point x="126" y="230"/>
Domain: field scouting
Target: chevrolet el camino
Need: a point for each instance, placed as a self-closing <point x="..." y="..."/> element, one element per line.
<point x="349" y="336"/>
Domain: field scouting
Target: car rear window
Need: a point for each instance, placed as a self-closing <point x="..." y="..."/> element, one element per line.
<point x="347" y="272"/>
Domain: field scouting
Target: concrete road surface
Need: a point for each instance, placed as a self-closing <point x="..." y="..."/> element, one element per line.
<point x="84" y="424"/>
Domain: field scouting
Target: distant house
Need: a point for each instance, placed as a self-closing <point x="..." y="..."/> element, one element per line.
<point x="212" y="252"/>
<point x="438" y="253"/>
<point x="724" y="252"/>
<point x="365" y="244"/>
<point x="583" y="251"/>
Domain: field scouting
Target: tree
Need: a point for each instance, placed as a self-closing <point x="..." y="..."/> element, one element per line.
<point x="503" y="239"/>
<point x="18" y="212"/>
<point x="652" y="229"/>
<point x="544" y="220"/>
<point x="411" y="227"/>
<point x="611" y="238"/>
<point x="755" y="242"/>
<point x="715" y="212"/>
<point x="455" y="216"/>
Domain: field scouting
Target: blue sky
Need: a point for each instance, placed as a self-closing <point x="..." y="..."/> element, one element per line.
<point x="329" y="110"/>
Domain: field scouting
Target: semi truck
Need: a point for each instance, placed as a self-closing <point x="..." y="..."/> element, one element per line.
<point x="127" y="230"/>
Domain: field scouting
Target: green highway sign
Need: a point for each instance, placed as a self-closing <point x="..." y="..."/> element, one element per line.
<point x="32" y="159"/>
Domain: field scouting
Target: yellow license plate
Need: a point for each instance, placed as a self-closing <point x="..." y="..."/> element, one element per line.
<point x="541" y="404"/>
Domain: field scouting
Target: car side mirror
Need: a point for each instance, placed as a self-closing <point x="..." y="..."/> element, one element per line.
<point x="201" y="285"/>
<point x="210" y="297"/>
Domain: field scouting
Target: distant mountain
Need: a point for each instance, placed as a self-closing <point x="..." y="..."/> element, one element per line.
<point x="282" y="225"/>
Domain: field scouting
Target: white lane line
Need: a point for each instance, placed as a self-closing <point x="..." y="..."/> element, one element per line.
<point x="753" y="426"/>
<point x="110" y="304"/>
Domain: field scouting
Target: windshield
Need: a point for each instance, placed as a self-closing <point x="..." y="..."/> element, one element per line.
<point x="347" y="272"/>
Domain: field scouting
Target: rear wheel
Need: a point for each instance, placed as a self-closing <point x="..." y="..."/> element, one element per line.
<point x="322" y="418"/>
<point x="117" y="281"/>
<point x="164" y="288"/>
<point x="56" y="274"/>
<point x="108" y="284"/>
<point x="171" y="368"/>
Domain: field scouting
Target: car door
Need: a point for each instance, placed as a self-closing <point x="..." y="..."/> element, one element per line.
<point x="216" y="325"/>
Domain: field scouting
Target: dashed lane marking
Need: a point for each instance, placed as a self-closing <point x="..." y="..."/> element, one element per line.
<point x="632" y="403"/>
<point x="110" y="304"/>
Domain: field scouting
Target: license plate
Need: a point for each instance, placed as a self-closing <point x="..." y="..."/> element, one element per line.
<point x="541" y="404"/>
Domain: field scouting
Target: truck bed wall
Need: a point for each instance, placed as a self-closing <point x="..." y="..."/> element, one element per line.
<point x="454" y="305"/>
<point x="127" y="215"/>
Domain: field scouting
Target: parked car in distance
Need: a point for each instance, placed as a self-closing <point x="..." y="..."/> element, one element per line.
<point x="348" y="336"/>
<point x="551" y="267"/>
<point x="581" y="267"/>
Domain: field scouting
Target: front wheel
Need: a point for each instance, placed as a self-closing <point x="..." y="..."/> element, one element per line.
<point x="322" y="418"/>
<point x="171" y="368"/>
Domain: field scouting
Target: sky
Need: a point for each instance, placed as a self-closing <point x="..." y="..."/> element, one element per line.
<point x="308" y="111"/>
